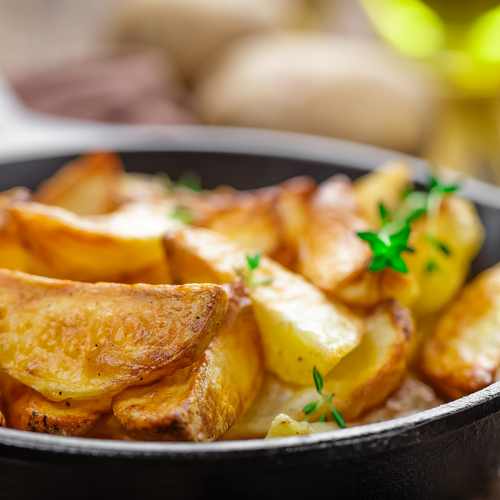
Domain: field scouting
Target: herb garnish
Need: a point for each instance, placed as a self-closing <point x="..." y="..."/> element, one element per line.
<point x="190" y="180"/>
<point x="388" y="244"/>
<point x="327" y="399"/>
<point x="183" y="214"/>
<point x="252" y="265"/>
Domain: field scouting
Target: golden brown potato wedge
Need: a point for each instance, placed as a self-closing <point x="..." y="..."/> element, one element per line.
<point x="28" y="410"/>
<point x="459" y="228"/>
<point x="300" y="327"/>
<point x="12" y="254"/>
<point x="89" y="341"/>
<point x="122" y="247"/>
<point x="384" y="185"/>
<point x="362" y="380"/>
<point x="200" y="402"/>
<point x="330" y="250"/>
<point x="336" y="260"/>
<point x="85" y="186"/>
<point x="462" y="353"/>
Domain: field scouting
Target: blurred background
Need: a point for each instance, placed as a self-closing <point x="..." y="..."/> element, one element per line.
<point x="421" y="77"/>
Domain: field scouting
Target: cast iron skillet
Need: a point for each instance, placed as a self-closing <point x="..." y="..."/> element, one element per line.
<point x="447" y="452"/>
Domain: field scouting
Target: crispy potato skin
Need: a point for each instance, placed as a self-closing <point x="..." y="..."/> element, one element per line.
<point x="362" y="380"/>
<point x="28" y="410"/>
<point x="85" y="186"/>
<point x="89" y="341"/>
<point x="331" y="251"/>
<point x="201" y="402"/>
<point x="62" y="245"/>
<point x="462" y="353"/>
<point x="300" y="327"/>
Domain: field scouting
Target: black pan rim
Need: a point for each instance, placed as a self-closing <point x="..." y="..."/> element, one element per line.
<point x="377" y="437"/>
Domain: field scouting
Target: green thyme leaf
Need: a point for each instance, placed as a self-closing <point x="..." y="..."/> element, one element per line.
<point x="323" y="417"/>
<point x="400" y="238"/>
<point x="190" y="180"/>
<point x="253" y="262"/>
<point x="182" y="214"/>
<point x="398" y="264"/>
<point x="378" y="263"/>
<point x="317" y="379"/>
<point x="435" y="186"/>
<point x="415" y="214"/>
<point x="385" y="215"/>
<point x="337" y="417"/>
<point x="431" y="266"/>
<point x="310" y="407"/>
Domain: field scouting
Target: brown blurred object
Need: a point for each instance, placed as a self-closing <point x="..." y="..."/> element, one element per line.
<point x="190" y="32"/>
<point x="133" y="88"/>
<point x="319" y="84"/>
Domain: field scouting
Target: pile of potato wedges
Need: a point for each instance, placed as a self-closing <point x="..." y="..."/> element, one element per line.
<point x="134" y="307"/>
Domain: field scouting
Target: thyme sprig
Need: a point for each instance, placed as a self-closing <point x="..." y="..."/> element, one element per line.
<point x="325" y="399"/>
<point x="182" y="214"/>
<point x="189" y="180"/>
<point x="392" y="239"/>
<point x="247" y="275"/>
<point x="388" y="244"/>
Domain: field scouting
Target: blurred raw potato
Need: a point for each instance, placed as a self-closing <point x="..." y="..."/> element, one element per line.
<point x="362" y="380"/>
<point x="122" y="247"/>
<point x="200" y="402"/>
<point x="318" y="84"/>
<point x="335" y="259"/>
<point x="12" y="254"/>
<point x="191" y="32"/>
<point x="90" y="341"/>
<point x="28" y="410"/>
<point x="86" y="186"/>
<point x="300" y="327"/>
<point x="459" y="228"/>
<point x="385" y="185"/>
<point x="412" y="397"/>
<point x="462" y="353"/>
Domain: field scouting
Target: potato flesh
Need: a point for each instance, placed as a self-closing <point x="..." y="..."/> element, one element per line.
<point x="300" y="327"/>
<point x="362" y="380"/>
<point x="85" y="186"/>
<point x="460" y="229"/>
<point x="200" y="402"/>
<point x="462" y="353"/>
<point x="123" y="247"/>
<point x="90" y="341"/>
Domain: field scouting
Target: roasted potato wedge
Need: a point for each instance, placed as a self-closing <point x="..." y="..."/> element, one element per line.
<point x="462" y="353"/>
<point x="12" y="254"/>
<point x="362" y="380"/>
<point x="122" y="247"/>
<point x="330" y="250"/>
<point x="86" y="186"/>
<point x="412" y="397"/>
<point x="300" y="327"/>
<point x="200" y="402"/>
<point x="459" y="228"/>
<point x="335" y="259"/>
<point x="89" y="341"/>
<point x="29" y="411"/>
<point x="384" y="185"/>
